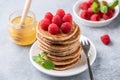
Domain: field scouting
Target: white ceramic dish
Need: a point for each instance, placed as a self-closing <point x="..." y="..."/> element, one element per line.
<point x="82" y="66"/>
<point x="89" y="23"/>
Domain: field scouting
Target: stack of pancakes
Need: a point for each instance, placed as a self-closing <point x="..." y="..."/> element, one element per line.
<point x="63" y="49"/>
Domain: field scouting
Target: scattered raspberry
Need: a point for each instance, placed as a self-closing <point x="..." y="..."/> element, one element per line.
<point x="66" y="27"/>
<point x="105" y="39"/>
<point x="108" y="15"/>
<point x="95" y="17"/>
<point x="44" y="24"/>
<point x="85" y="14"/>
<point x="60" y="12"/>
<point x="57" y="20"/>
<point x="53" y="29"/>
<point x="49" y="16"/>
<point x="84" y="5"/>
<point x="67" y="18"/>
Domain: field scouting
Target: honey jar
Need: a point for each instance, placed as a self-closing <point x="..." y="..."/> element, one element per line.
<point x="25" y="34"/>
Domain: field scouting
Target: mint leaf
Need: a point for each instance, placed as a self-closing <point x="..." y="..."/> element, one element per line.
<point x="42" y="54"/>
<point x="95" y="7"/>
<point x="95" y="0"/>
<point x="37" y="59"/>
<point x="104" y="9"/>
<point x="48" y="64"/>
<point x="113" y="4"/>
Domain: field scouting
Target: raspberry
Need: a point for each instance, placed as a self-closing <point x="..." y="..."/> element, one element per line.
<point x="49" y="16"/>
<point x="95" y="17"/>
<point x="53" y="29"/>
<point x="90" y="11"/>
<point x="60" y="12"/>
<point x="105" y="39"/>
<point x="84" y="5"/>
<point x="113" y="10"/>
<point x="100" y="14"/>
<point x="57" y="20"/>
<point x="108" y="15"/>
<point x="90" y="2"/>
<point x="66" y="27"/>
<point x="85" y="15"/>
<point x="44" y="24"/>
<point x="67" y="18"/>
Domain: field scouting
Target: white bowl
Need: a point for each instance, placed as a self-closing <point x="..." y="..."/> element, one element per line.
<point x="89" y="23"/>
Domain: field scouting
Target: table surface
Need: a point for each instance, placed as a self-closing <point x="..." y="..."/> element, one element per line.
<point x="14" y="59"/>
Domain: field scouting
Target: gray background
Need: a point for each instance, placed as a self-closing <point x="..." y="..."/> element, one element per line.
<point x="14" y="59"/>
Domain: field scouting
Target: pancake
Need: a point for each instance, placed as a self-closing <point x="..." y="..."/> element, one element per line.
<point x="58" y="37"/>
<point x="64" y="67"/>
<point x="66" y="62"/>
<point x="58" y="48"/>
<point x="73" y="38"/>
<point x="60" y="53"/>
<point x="61" y="58"/>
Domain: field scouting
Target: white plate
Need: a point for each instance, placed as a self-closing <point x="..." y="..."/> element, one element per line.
<point x="82" y="66"/>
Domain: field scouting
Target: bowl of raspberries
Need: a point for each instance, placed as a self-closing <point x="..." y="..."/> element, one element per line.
<point x="96" y="13"/>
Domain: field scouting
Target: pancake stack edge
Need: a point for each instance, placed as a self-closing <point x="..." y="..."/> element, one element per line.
<point x="64" y="49"/>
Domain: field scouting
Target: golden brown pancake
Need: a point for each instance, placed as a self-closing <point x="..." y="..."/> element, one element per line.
<point x="64" y="67"/>
<point x="58" y="37"/>
<point x="58" y="48"/>
<point x="61" y="58"/>
<point x="66" y="62"/>
<point x="73" y="38"/>
<point x="59" y="53"/>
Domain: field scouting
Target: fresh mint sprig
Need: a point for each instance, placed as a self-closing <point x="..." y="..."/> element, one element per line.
<point x="47" y="64"/>
<point x="103" y="7"/>
<point x="95" y="7"/>
<point x="113" y="4"/>
<point x="95" y="0"/>
<point x="42" y="54"/>
<point x="37" y="59"/>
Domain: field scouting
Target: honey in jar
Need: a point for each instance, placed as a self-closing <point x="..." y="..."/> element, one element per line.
<point x="25" y="34"/>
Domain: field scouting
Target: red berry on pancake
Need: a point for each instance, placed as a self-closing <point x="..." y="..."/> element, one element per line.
<point x="67" y="18"/>
<point x="49" y="16"/>
<point x="60" y="12"/>
<point x="53" y="29"/>
<point x="57" y="20"/>
<point x="66" y="27"/>
<point x="44" y="23"/>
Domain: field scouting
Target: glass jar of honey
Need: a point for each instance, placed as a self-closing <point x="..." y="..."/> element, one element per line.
<point x="26" y="34"/>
